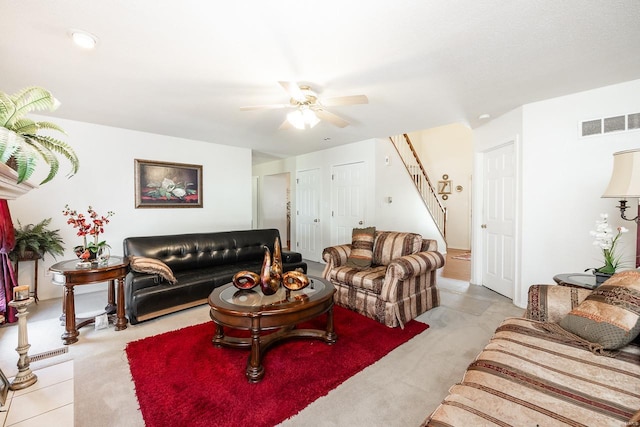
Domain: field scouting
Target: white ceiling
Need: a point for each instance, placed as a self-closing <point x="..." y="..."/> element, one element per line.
<point x="184" y="68"/>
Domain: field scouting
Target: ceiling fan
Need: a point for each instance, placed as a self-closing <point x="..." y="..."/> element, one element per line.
<point x="308" y="108"/>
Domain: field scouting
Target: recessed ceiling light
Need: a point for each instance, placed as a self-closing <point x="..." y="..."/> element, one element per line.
<point x="484" y="116"/>
<point x="83" y="39"/>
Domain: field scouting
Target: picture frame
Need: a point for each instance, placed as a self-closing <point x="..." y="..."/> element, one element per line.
<point x="444" y="187"/>
<point x="4" y="388"/>
<point x="160" y="184"/>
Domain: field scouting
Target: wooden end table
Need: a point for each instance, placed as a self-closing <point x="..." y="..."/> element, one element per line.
<point x="252" y="311"/>
<point x="69" y="275"/>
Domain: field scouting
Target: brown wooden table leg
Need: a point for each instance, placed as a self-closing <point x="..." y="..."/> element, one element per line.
<point x="121" y="322"/>
<point x="331" y="336"/>
<point x="255" y="370"/>
<point x="70" y="331"/>
<point x="111" y="298"/>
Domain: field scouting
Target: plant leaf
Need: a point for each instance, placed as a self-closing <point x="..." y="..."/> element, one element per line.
<point x="49" y="157"/>
<point x="25" y="127"/>
<point x="7" y="108"/>
<point x="49" y="125"/>
<point x="25" y="161"/>
<point x="30" y="99"/>
<point x="60" y="147"/>
<point x="9" y="143"/>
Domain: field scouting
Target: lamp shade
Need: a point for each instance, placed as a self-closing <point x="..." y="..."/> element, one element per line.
<point x="625" y="179"/>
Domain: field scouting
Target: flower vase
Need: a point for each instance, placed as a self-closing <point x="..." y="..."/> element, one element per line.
<point x="103" y="255"/>
<point x="84" y="254"/>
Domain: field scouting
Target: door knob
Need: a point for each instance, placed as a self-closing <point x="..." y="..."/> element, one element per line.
<point x="360" y="222"/>
<point x="316" y="220"/>
<point x="483" y="226"/>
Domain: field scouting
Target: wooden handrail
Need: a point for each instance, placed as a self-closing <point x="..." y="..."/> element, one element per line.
<point x="431" y="200"/>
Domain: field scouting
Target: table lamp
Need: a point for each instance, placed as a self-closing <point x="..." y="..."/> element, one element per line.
<point x="625" y="183"/>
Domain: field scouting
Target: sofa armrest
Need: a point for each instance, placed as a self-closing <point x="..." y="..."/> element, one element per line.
<point x="335" y="256"/>
<point x="550" y="303"/>
<point x="290" y="257"/>
<point x="429" y="245"/>
<point x="414" y="265"/>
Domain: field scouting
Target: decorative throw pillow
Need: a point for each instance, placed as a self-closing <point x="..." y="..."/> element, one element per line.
<point x="610" y="315"/>
<point x="389" y="245"/>
<point x="361" y="247"/>
<point x="152" y="266"/>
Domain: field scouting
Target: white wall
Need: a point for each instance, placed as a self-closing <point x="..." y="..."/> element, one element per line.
<point x="571" y="173"/>
<point x="562" y="178"/>
<point x="407" y="211"/>
<point x="106" y="182"/>
<point x="449" y="150"/>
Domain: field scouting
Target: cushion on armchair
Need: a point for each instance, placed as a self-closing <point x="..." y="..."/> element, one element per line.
<point x="389" y="245"/>
<point x="610" y="315"/>
<point x="361" y="254"/>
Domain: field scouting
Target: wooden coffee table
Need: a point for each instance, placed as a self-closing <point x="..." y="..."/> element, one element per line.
<point x="252" y="311"/>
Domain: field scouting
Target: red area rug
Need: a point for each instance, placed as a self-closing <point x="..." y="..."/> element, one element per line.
<point x="182" y="379"/>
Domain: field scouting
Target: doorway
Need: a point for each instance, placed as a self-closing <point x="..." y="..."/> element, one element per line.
<point x="274" y="205"/>
<point x="308" y="230"/>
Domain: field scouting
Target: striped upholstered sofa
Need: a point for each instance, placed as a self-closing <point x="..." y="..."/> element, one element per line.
<point x="398" y="286"/>
<point x="531" y="375"/>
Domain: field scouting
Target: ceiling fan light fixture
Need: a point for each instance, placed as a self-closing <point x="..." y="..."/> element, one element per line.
<point x="310" y="117"/>
<point x="296" y="119"/>
<point x="302" y="118"/>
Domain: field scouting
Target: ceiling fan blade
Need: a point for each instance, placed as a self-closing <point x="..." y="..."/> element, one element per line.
<point x="265" y="107"/>
<point x="332" y="118"/>
<point x="286" y="125"/>
<point x="293" y="90"/>
<point x="345" y="100"/>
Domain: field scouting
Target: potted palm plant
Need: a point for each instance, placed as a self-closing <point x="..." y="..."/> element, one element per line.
<point x="33" y="241"/>
<point x="21" y="147"/>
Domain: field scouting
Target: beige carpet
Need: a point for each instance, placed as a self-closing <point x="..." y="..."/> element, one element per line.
<point x="399" y="390"/>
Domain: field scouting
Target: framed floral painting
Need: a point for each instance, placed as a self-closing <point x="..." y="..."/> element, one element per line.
<point x="167" y="185"/>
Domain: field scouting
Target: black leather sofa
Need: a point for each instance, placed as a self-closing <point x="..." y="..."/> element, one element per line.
<point x="200" y="262"/>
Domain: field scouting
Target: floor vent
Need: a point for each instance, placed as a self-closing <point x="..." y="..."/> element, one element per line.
<point x="610" y="124"/>
<point x="48" y="354"/>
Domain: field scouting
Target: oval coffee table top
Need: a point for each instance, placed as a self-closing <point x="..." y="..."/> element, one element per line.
<point x="253" y="300"/>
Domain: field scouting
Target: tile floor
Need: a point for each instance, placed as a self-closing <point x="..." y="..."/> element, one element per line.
<point x="48" y="402"/>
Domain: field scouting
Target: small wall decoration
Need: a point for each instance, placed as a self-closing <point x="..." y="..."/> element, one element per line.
<point x="444" y="186"/>
<point x="167" y="185"/>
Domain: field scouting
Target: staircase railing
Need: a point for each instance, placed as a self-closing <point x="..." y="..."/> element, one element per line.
<point x="419" y="176"/>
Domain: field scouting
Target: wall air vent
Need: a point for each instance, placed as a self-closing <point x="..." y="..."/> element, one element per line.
<point x="610" y="124"/>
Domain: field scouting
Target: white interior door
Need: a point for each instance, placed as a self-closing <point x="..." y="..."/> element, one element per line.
<point x="348" y="201"/>
<point x="499" y="220"/>
<point x="308" y="241"/>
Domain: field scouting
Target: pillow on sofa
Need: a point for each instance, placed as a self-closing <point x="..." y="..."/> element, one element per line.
<point x="152" y="266"/>
<point x="610" y="315"/>
<point x="390" y="245"/>
<point x="361" y="254"/>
